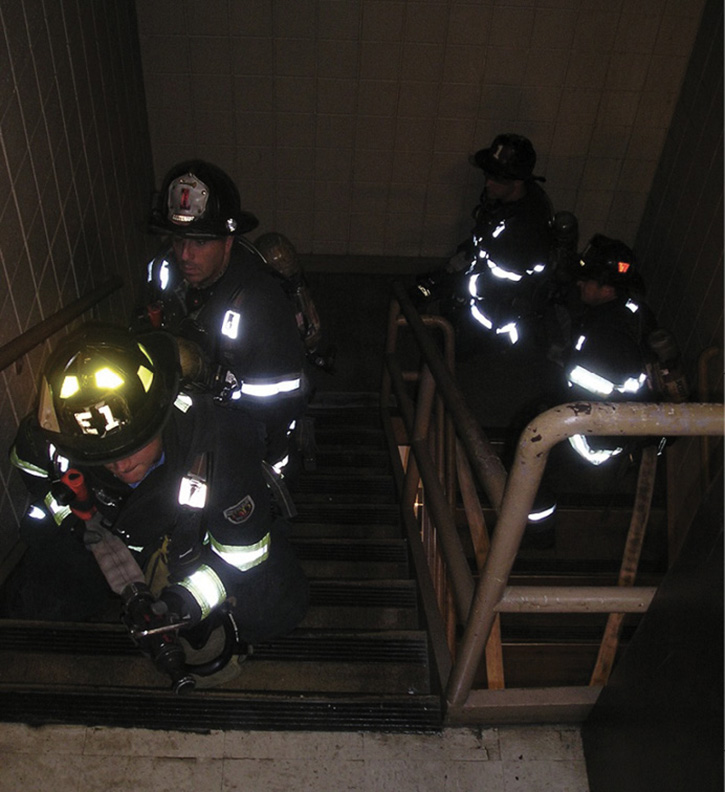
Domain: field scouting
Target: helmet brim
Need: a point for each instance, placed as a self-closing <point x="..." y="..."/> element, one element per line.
<point x="246" y="222"/>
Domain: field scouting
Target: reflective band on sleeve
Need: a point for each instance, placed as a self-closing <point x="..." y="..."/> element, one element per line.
<point x="264" y="390"/>
<point x="593" y="456"/>
<point x="206" y="588"/>
<point x="26" y="467"/>
<point x="59" y="512"/>
<point x="503" y="274"/>
<point x="594" y="383"/>
<point x="243" y="558"/>
<point x="480" y="317"/>
<point x="590" y="381"/>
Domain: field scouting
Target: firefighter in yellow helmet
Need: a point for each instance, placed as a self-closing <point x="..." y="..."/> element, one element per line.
<point x="173" y="508"/>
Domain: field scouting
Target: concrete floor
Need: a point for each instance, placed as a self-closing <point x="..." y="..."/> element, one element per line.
<point x="80" y="759"/>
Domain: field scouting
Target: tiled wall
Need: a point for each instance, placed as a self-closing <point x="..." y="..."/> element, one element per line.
<point x="680" y="241"/>
<point x="348" y="123"/>
<point x="75" y="177"/>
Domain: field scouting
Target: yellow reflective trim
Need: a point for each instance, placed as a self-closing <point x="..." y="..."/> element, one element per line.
<point x="59" y="512"/>
<point x="107" y="378"/>
<point x="245" y="557"/>
<point x="26" y="467"/>
<point x="146" y="376"/>
<point x="69" y="387"/>
<point x="206" y="588"/>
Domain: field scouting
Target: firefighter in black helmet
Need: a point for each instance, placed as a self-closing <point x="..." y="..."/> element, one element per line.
<point x="610" y="357"/>
<point x="609" y="353"/>
<point x="508" y="251"/>
<point x="175" y="502"/>
<point x="211" y="287"/>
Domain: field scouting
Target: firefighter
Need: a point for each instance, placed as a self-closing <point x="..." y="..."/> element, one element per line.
<point x="610" y="357"/>
<point x="494" y="280"/>
<point x="175" y="508"/>
<point x="212" y="287"/>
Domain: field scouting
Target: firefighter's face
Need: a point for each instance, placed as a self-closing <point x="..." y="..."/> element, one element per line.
<point x="592" y="292"/>
<point x="498" y="188"/>
<point x="202" y="261"/>
<point x="133" y="469"/>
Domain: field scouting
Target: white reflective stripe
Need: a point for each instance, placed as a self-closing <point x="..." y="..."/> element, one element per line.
<point x="594" y="456"/>
<point x="206" y="588"/>
<point x="263" y="390"/>
<point x="230" y="324"/>
<point x="590" y="381"/>
<point x="59" y="512"/>
<point x="633" y="384"/>
<point x="164" y="274"/>
<point x="278" y="467"/>
<point x="499" y="229"/>
<point x="504" y="274"/>
<point x="594" y="383"/>
<point x="633" y="307"/>
<point x="580" y="343"/>
<point x="150" y="271"/>
<point x="536" y="269"/>
<point x="243" y="558"/>
<point x="480" y="317"/>
<point x="26" y="467"/>
<point x="539" y="516"/>
<point x="183" y="402"/>
<point x="472" y="281"/>
<point x="36" y="513"/>
<point x="192" y="492"/>
<point x="511" y="330"/>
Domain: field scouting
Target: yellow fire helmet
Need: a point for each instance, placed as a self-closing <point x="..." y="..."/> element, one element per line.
<point x="105" y="392"/>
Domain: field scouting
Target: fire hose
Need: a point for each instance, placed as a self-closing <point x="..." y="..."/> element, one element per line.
<point x="150" y="624"/>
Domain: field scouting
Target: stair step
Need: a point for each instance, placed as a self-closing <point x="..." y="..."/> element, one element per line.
<point x="358" y="558"/>
<point x="353" y="513"/>
<point x="362" y="605"/>
<point x="320" y="487"/>
<point x="321" y="530"/>
<point x="390" y="662"/>
<point x="104" y="706"/>
<point x="357" y="458"/>
<point x="368" y="437"/>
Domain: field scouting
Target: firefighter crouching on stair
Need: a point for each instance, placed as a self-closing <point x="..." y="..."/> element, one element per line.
<point x="211" y="287"/>
<point x="176" y="510"/>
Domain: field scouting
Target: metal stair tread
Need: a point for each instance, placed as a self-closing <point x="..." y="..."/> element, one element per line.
<point x="214" y="710"/>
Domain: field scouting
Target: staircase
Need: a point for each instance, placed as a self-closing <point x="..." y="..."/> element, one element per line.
<point x="361" y="658"/>
<point x="359" y="661"/>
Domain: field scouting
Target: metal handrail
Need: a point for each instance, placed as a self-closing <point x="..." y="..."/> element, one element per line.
<point x="40" y="332"/>
<point x="538" y="438"/>
<point x="511" y="497"/>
